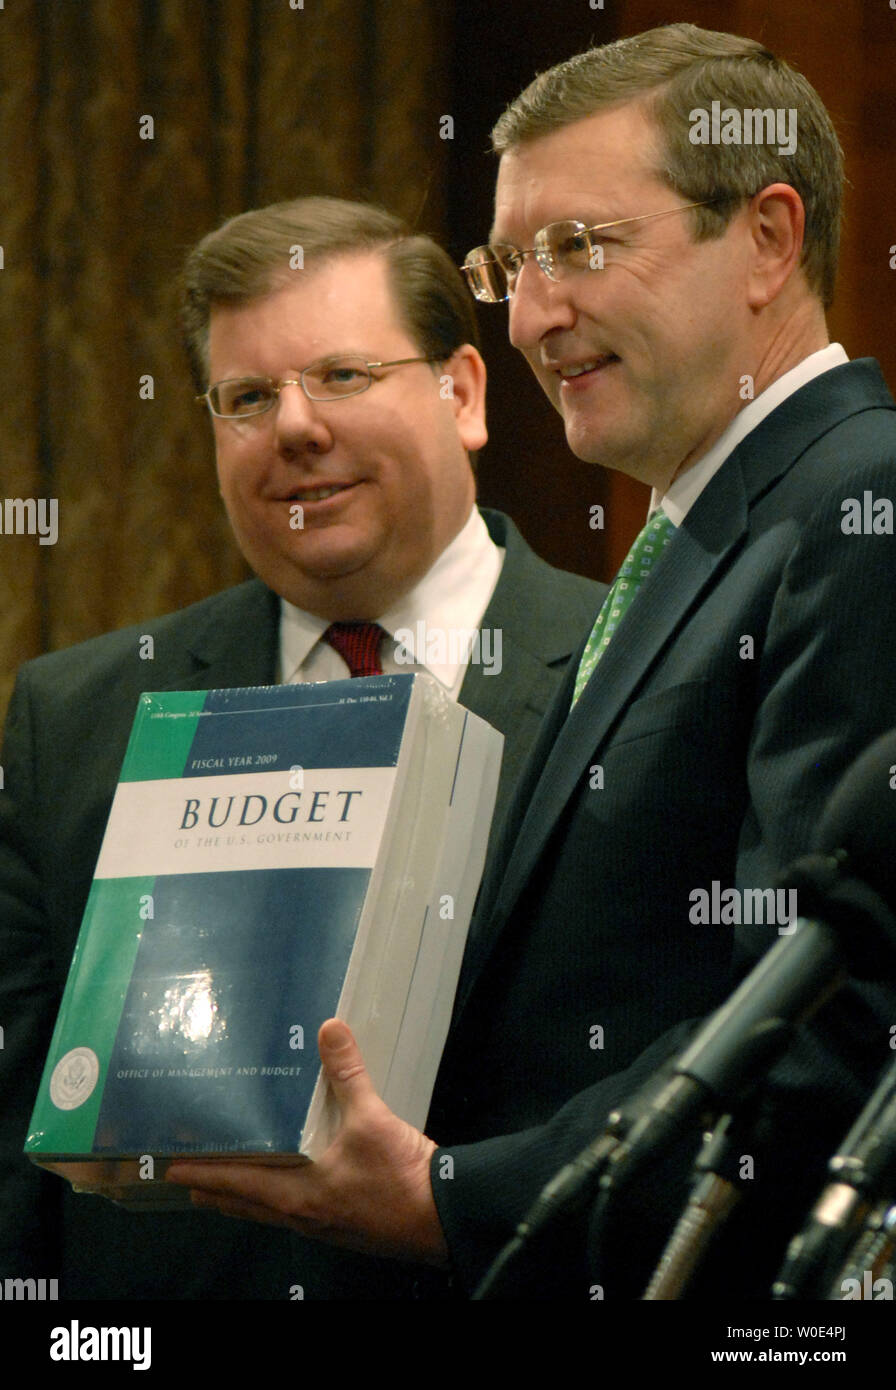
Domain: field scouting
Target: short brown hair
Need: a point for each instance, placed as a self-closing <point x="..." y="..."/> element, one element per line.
<point x="675" y="70"/>
<point x="250" y="255"/>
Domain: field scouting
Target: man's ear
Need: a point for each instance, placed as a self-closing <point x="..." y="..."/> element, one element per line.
<point x="777" y="223"/>
<point x="462" y="381"/>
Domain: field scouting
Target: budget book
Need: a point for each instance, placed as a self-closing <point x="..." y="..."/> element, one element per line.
<point x="274" y="856"/>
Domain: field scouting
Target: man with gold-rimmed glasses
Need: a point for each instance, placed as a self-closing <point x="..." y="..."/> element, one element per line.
<point x="743" y="658"/>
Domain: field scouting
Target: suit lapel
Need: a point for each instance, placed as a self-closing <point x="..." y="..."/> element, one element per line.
<point x="494" y="695"/>
<point x="529" y="649"/>
<point x="236" y="644"/>
<point x="570" y="743"/>
<point x="685" y="569"/>
<point x="500" y="699"/>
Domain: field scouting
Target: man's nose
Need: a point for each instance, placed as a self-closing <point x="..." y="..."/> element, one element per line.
<point x="300" y="423"/>
<point x="538" y="305"/>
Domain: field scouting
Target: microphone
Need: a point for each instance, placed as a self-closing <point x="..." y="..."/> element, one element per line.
<point x="845" y="927"/>
<point x="719" y="1183"/>
<point x="849" y="929"/>
<point x="732" y="1052"/>
<point x="863" y="1169"/>
<point x="870" y="1259"/>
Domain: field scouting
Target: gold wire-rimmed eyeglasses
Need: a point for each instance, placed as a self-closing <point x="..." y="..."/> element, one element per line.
<point x="330" y="379"/>
<point x="561" y="249"/>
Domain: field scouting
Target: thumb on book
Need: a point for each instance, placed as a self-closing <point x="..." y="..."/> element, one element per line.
<point x="341" y="1058"/>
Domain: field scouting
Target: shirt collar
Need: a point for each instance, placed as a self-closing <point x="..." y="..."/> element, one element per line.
<point x="451" y="597"/>
<point x="685" y="490"/>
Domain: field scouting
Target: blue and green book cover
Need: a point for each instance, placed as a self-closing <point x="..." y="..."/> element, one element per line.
<point x="274" y="856"/>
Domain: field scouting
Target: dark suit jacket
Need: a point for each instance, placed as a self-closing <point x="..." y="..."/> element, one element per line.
<point x="755" y="665"/>
<point x="66" y="733"/>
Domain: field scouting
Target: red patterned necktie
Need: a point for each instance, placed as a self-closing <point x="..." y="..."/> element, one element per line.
<point x="358" y="645"/>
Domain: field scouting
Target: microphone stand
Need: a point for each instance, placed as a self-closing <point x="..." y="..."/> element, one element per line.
<point x="732" y="1053"/>
<point x="717" y="1190"/>
<point x="872" y="1255"/>
<point x="865" y="1164"/>
<point x="729" y="1056"/>
<point x="726" y="1060"/>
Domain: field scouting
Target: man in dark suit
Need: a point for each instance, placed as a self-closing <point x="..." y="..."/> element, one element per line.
<point x="669" y="294"/>
<point x="373" y="461"/>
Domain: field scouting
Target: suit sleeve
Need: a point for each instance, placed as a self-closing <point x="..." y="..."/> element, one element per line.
<point x="825" y="688"/>
<point x="28" y="1003"/>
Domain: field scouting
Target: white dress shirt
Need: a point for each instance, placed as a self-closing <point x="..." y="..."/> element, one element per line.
<point x="450" y="599"/>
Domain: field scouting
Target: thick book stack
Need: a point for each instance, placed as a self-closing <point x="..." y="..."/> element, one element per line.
<point x="274" y="856"/>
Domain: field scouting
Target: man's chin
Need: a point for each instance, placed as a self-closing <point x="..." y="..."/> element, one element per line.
<point x="605" y="453"/>
<point x="588" y="446"/>
<point x="338" y="574"/>
<point x="316" y="569"/>
<point x="333" y="565"/>
<point x="340" y="588"/>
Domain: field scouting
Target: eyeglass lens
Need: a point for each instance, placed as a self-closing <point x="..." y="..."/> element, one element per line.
<point x="560" y="249"/>
<point x="322" y="381"/>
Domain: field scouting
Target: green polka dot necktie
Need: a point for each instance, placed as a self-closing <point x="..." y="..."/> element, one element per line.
<point x="649" y="545"/>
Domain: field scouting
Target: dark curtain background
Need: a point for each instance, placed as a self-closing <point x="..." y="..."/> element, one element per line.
<point x="252" y="101"/>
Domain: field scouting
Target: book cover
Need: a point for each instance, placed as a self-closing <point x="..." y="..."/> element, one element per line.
<point x="274" y="856"/>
